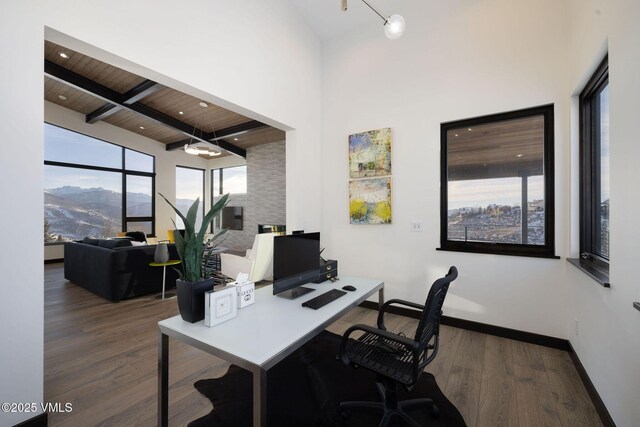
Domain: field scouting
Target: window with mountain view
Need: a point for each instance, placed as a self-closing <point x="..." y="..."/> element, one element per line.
<point x="189" y="187"/>
<point x="497" y="184"/>
<point x="89" y="192"/>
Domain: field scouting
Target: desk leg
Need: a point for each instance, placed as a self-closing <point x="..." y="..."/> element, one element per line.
<point x="259" y="398"/>
<point x="380" y="297"/>
<point x="163" y="380"/>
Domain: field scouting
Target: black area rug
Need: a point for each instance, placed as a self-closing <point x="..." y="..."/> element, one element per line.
<point x="305" y="389"/>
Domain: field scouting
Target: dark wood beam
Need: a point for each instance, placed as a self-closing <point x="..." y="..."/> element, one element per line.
<point x="101" y="113"/>
<point x="140" y="91"/>
<point x="110" y="96"/>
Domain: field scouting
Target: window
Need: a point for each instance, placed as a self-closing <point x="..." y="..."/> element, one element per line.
<point x="189" y="187"/>
<point x="94" y="188"/>
<point x="229" y="180"/>
<point x="497" y="184"/>
<point x="594" y="168"/>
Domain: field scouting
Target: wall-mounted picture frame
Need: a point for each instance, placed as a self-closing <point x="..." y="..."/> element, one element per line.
<point x="370" y="201"/>
<point x="370" y="154"/>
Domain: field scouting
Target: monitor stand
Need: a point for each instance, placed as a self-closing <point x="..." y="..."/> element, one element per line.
<point x="295" y="292"/>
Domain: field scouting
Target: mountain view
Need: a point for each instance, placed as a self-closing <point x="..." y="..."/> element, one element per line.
<point x="72" y="213"/>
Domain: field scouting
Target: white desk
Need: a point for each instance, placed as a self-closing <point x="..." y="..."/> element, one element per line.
<point x="274" y="327"/>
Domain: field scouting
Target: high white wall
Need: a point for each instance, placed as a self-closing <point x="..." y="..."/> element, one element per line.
<point x="457" y="59"/>
<point x="608" y="341"/>
<point x="224" y="51"/>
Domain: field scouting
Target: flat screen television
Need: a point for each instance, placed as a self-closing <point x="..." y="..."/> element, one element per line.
<point x="295" y="263"/>
<point x="232" y="217"/>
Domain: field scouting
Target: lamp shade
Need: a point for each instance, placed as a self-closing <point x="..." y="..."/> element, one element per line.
<point x="394" y="26"/>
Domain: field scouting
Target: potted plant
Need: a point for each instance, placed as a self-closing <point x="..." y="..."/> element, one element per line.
<point x="192" y="284"/>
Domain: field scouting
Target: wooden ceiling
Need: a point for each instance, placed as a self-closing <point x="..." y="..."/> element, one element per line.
<point x="507" y="148"/>
<point x="103" y="92"/>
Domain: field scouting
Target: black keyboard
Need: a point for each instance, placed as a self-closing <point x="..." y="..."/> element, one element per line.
<point x="324" y="299"/>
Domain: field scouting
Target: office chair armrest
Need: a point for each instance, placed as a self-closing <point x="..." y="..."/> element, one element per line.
<point x="408" y="343"/>
<point x="386" y="305"/>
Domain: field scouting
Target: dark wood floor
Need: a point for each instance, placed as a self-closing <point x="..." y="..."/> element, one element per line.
<point x="102" y="358"/>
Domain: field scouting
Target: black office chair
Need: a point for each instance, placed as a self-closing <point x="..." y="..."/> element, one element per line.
<point x="396" y="358"/>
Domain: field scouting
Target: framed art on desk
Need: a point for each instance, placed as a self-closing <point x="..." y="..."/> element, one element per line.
<point x="220" y="306"/>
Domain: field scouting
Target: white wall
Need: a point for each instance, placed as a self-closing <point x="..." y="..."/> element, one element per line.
<point x="21" y="116"/>
<point x="271" y="67"/>
<point x="608" y="341"/>
<point x="457" y="59"/>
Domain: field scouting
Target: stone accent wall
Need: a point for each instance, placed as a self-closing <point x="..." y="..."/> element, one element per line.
<point x="265" y="201"/>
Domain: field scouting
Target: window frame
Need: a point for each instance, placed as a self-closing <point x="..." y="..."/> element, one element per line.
<point x="124" y="173"/>
<point x="540" y="251"/>
<point x="589" y="154"/>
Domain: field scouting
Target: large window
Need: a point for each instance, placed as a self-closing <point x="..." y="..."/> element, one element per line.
<point x="497" y="184"/>
<point x="229" y="180"/>
<point x="594" y="166"/>
<point x="189" y="187"/>
<point x="94" y="188"/>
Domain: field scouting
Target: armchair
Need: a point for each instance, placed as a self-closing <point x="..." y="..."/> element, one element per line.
<point x="397" y="359"/>
<point x="257" y="263"/>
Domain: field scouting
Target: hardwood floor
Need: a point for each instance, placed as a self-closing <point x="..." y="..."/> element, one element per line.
<point x="102" y="358"/>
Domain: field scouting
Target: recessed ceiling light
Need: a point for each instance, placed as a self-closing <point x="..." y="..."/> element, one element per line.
<point x="235" y="139"/>
<point x="64" y="98"/>
<point x="181" y="112"/>
<point x="519" y="155"/>
<point x="455" y="134"/>
<point x="203" y="104"/>
<point x="469" y="129"/>
<point x="63" y="55"/>
<point x="142" y="127"/>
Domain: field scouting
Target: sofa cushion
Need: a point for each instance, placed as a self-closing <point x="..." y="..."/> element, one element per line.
<point x="115" y="243"/>
<point x="90" y="241"/>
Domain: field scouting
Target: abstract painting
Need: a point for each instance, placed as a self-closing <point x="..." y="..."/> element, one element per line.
<point x="370" y="201"/>
<point x="370" y="153"/>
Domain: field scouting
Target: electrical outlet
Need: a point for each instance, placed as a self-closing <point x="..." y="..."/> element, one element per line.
<point x="416" y="226"/>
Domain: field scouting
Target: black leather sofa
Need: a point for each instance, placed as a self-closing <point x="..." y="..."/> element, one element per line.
<point x="115" y="270"/>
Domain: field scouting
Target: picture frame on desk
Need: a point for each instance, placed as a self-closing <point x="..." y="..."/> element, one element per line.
<point x="220" y="306"/>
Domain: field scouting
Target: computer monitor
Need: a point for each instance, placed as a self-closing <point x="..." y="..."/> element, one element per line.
<point x="295" y="263"/>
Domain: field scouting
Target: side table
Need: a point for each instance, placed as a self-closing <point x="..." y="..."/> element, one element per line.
<point x="164" y="275"/>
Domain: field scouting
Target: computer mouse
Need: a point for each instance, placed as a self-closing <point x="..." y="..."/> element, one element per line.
<point x="349" y="288"/>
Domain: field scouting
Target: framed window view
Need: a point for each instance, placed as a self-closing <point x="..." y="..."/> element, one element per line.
<point x="497" y="184"/>
<point x="594" y="169"/>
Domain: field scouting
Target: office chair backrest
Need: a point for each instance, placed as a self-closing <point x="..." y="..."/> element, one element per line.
<point x="429" y="325"/>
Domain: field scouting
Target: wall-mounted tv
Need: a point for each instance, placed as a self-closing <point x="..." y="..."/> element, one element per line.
<point x="231" y="217"/>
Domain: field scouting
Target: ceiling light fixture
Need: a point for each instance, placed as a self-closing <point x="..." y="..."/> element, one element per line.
<point x="393" y="25"/>
<point x="201" y="148"/>
<point x="142" y="127"/>
<point x="63" y="55"/>
<point x="181" y="112"/>
<point x="203" y="104"/>
<point x="64" y="98"/>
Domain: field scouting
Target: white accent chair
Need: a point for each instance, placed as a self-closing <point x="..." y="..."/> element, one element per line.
<point x="257" y="263"/>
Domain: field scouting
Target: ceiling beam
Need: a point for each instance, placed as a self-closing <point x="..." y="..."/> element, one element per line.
<point x="110" y="96"/>
<point x="140" y="91"/>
